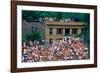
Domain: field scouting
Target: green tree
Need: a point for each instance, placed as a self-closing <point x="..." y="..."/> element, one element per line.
<point x="33" y="36"/>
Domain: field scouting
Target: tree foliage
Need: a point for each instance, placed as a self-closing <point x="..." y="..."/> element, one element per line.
<point x="33" y="36"/>
<point x="33" y="15"/>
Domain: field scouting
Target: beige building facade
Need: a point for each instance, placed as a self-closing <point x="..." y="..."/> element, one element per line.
<point x="59" y="30"/>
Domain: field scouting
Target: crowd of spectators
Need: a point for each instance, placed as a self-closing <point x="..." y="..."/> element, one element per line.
<point x="58" y="50"/>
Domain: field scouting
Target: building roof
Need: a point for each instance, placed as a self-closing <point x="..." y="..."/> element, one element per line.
<point x="64" y="23"/>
